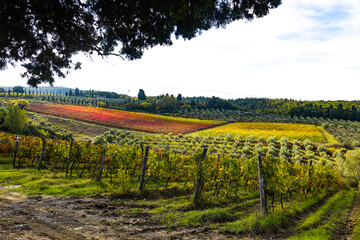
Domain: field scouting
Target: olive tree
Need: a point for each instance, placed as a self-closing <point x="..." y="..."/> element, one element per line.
<point x="351" y="166"/>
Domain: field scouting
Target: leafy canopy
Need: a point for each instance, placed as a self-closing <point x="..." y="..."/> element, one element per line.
<point x="15" y="118"/>
<point x="44" y="35"/>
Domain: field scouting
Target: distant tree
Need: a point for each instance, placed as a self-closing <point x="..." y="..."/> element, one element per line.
<point x="105" y="94"/>
<point x="100" y="104"/>
<point x="70" y="93"/>
<point x="77" y="92"/>
<point x="18" y="89"/>
<point x="21" y="103"/>
<point x="148" y="106"/>
<point x="166" y="103"/>
<point x="216" y="102"/>
<point x="141" y="95"/>
<point x="179" y="97"/>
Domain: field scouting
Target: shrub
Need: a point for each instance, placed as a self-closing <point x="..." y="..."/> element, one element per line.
<point x="109" y="138"/>
<point x="15" y="119"/>
<point x="352" y="166"/>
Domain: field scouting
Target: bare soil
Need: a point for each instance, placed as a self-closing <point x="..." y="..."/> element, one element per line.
<point x="77" y="127"/>
<point x="98" y="217"/>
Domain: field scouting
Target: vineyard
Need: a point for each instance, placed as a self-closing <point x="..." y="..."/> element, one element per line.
<point x="266" y="130"/>
<point x="190" y="173"/>
<point x="128" y="120"/>
<point x="293" y="172"/>
<point x="290" y="166"/>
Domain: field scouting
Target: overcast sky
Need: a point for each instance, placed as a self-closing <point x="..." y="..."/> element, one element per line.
<point x="304" y="49"/>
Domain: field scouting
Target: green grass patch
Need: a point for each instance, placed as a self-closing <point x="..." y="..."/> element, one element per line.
<point x="215" y="215"/>
<point x="180" y="211"/>
<point x="338" y="200"/>
<point x="332" y="215"/>
<point x="256" y="222"/>
<point x="315" y="234"/>
<point x="44" y="182"/>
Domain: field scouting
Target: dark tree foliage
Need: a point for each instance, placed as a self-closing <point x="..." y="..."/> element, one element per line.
<point x="103" y="94"/>
<point x="44" y="35"/>
<point x="179" y="97"/>
<point x="219" y="103"/>
<point x="347" y="110"/>
<point x="339" y="112"/>
<point x="18" y="89"/>
<point x="141" y="95"/>
<point x="77" y="92"/>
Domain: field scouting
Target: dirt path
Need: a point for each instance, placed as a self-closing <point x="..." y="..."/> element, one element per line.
<point x="100" y="217"/>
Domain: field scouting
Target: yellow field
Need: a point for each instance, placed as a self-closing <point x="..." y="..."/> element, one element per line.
<point x="291" y="131"/>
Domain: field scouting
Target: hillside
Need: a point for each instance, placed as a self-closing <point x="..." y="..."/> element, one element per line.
<point x="201" y="183"/>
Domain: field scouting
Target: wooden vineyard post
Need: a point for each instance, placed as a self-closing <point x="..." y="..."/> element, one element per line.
<point x="143" y="170"/>
<point x="261" y="186"/>
<point x="16" y="149"/>
<point x="42" y="154"/>
<point x="198" y="181"/>
<point x="69" y="157"/>
<point x="101" y="165"/>
<point x="309" y="187"/>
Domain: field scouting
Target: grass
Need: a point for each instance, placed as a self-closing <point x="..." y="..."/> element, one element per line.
<point x="336" y="201"/>
<point x="257" y="222"/>
<point x="44" y="182"/>
<point x="332" y="215"/>
<point x="327" y="136"/>
<point x="179" y="211"/>
<point x="292" y="131"/>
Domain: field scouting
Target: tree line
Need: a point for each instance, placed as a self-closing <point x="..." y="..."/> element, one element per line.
<point x="168" y="103"/>
<point x="346" y="110"/>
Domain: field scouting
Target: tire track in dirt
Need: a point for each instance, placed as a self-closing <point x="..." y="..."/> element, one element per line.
<point x="76" y="218"/>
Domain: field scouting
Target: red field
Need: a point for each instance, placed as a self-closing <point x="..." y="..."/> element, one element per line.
<point x="128" y="120"/>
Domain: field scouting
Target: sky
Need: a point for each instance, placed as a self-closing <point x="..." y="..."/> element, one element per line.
<point x="304" y="50"/>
